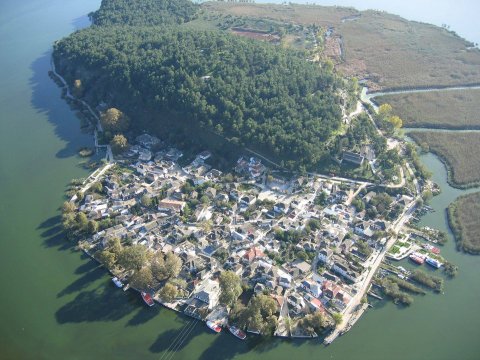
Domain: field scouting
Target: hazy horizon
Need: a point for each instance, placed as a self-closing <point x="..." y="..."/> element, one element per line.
<point x="460" y="15"/>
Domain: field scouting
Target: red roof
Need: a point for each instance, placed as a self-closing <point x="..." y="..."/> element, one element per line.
<point x="318" y="304"/>
<point x="253" y="253"/>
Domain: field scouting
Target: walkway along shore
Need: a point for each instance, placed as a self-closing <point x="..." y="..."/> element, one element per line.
<point x="98" y="125"/>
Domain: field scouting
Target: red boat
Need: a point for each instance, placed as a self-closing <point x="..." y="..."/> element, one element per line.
<point x="237" y="332"/>
<point x="147" y="298"/>
<point x="417" y="259"/>
<point x="214" y="326"/>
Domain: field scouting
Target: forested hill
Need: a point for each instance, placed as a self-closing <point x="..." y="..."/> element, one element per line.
<point x="144" y="12"/>
<point x="256" y="94"/>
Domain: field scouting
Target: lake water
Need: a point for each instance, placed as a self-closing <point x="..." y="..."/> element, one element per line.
<point x="56" y="304"/>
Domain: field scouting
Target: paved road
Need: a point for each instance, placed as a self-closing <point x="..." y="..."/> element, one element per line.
<point x="350" y="314"/>
<point x="94" y="177"/>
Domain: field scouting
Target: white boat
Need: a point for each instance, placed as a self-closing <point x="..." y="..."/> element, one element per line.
<point x="237" y="332"/>
<point x="117" y="282"/>
<point x="432" y="262"/>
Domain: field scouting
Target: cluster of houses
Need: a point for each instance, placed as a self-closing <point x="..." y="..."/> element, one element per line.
<point x="215" y="225"/>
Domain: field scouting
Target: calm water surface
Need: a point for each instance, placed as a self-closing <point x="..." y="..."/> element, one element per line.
<point x="55" y="304"/>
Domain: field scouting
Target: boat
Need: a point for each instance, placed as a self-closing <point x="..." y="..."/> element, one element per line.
<point x="435" y="250"/>
<point x="432" y="262"/>
<point x="214" y="326"/>
<point x="237" y="332"/>
<point x="416" y="259"/>
<point x="126" y="287"/>
<point x="117" y="282"/>
<point x="147" y="298"/>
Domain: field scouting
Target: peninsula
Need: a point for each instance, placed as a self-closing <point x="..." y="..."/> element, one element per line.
<point x="246" y="184"/>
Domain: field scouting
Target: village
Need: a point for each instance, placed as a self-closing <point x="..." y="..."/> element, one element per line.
<point x="307" y="245"/>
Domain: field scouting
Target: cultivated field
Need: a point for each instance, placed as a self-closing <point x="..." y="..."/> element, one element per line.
<point x="453" y="109"/>
<point x="464" y="219"/>
<point x="459" y="150"/>
<point x="386" y="50"/>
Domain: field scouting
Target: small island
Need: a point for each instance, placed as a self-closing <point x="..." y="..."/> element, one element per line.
<point x="245" y="183"/>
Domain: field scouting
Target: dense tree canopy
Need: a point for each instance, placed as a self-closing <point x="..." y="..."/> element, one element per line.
<point x="263" y="96"/>
<point x="230" y="288"/>
<point x="259" y="315"/>
<point x="144" y="12"/>
<point x="133" y="257"/>
<point x="119" y="143"/>
<point x="114" y="120"/>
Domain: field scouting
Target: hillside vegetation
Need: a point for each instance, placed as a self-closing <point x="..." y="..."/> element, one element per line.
<point x="453" y="109"/>
<point x="254" y="94"/>
<point x="384" y="49"/>
<point x="457" y="150"/>
<point x="144" y="12"/>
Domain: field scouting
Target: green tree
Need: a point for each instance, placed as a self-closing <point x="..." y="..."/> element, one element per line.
<point x="396" y="121"/>
<point x="114" y="120"/>
<point x="337" y="318"/>
<point x="313" y="323"/>
<point x="96" y="187"/>
<point x="77" y="88"/>
<point x="119" y="144"/>
<point x="106" y="258"/>
<point x="142" y="279"/>
<point x="230" y="288"/>
<point x="358" y="204"/>
<point x="158" y="266"/>
<point x="321" y="198"/>
<point x="173" y="265"/>
<point x="92" y="227"/>
<point x="259" y="315"/>
<point x="115" y="246"/>
<point x="385" y="111"/>
<point x="81" y="221"/>
<point x="168" y="293"/>
<point x="68" y="222"/>
<point x="68" y="207"/>
<point x="133" y="257"/>
<point x="146" y="201"/>
<point x="79" y="196"/>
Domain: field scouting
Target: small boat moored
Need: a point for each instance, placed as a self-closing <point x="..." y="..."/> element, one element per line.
<point x="237" y="332"/>
<point x="416" y="259"/>
<point x="117" y="282"/>
<point x="434" y="263"/>
<point x="147" y="298"/>
<point x="214" y="326"/>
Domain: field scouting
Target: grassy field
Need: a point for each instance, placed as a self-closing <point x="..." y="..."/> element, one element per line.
<point x="458" y="150"/>
<point x="386" y="50"/>
<point x="453" y="109"/>
<point x="464" y="220"/>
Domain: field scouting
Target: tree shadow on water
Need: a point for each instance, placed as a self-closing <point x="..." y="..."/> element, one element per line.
<point x="172" y="341"/>
<point x="46" y="99"/>
<point x="53" y="235"/>
<point x="237" y="347"/>
<point x="100" y="304"/>
<point x="144" y="315"/>
<point x="83" y="281"/>
<point x="87" y="266"/>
